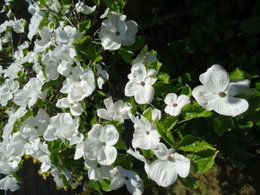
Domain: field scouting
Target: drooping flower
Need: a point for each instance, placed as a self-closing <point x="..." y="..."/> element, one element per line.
<point x="166" y="170"/>
<point x="7" y="90"/>
<point x="96" y="171"/>
<point x="62" y="126"/>
<point x="100" y="144"/>
<point x="84" y="9"/>
<point x="29" y="94"/>
<point x="9" y="182"/>
<point x="80" y="84"/>
<point x="218" y="93"/>
<point x="145" y="134"/>
<point x="121" y="176"/>
<point x="117" y="111"/>
<point x="116" y="31"/>
<point x="140" y="84"/>
<point x="175" y="103"/>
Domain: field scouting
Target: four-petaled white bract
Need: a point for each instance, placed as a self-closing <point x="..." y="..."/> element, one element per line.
<point x="140" y="84"/>
<point x="121" y="176"/>
<point x="62" y="126"/>
<point x="117" y="111"/>
<point x="145" y="134"/>
<point x="116" y="31"/>
<point x="217" y="92"/>
<point x="175" y="103"/>
<point x="165" y="170"/>
<point x="100" y="144"/>
<point x="9" y="182"/>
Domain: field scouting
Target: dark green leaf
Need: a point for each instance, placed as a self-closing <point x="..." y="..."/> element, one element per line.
<point x="194" y="144"/>
<point x="204" y="160"/>
<point x="222" y="124"/>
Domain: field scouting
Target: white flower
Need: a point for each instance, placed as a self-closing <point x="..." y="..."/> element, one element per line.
<point x="13" y="116"/>
<point x="100" y="144"/>
<point x="115" y="31"/>
<point x="7" y="90"/>
<point x="80" y="84"/>
<point x="75" y="107"/>
<point x="67" y="35"/>
<point x="117" y="111"/>
<point x="35" y="126"/>
<point x="166" y="170"/>
<point x="9" y="182"/>
<point x="217" y="92"/>
<point x="84" y="9"/>
<point x="145" y="134"/>
<point x="175" y="104"/>
<point x="97" y="171"/>
<point x="45" y="42"/>
<point x="62" y="126"/>
<point x="140" y="84"/>
<point x="121" y="176"/>
<point x="29" y="94"/>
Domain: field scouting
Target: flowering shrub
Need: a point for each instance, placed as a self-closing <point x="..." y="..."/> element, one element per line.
<point x="59" y="106"/>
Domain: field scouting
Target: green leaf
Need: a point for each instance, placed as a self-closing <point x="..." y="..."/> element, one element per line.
<point x="186" y="90"/>
<point x="239" y="74"/>
<point x="251" y="25"/>
<point x="222" y="124"/>
<point x="244" y="124"/>
<point x="164" y="77"/>
<point x="204" y="160"/>
<point x="124" y="160"/>
<point x="166" y="135"/>
<point x="194" y="144"/>
<point x="126" y="55"/>
<point x="148" y="114"/>
<point x="195" y="111"/>
<point x="115" y="5"/>
<point x="189" y="182"/>
<point x="102" y="185"/>
<point x="121" y="144"/>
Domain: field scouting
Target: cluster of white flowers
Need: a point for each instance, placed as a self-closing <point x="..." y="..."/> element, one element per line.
<point x="53" y="56"/>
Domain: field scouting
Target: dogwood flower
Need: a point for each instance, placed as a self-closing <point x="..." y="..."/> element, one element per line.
<point x="100" y="144"/>
<point x="80" y="84"/>
<point x="35" y="126"/>
<point x="115" y="31"/>
<point x="84" y="9"/>
<point x="9" y="182"/>
<point x="29" y="94"/>
<point x="217" y="92"/>
<point x="117" y="111"/>
<point x="175" y="103"/>
<point x="7" y="90"/>
<point x="96" y="171"/>
<point x="140" y="84"/>
<point x="121" y="176"/>
<point x="166" y="170"/>
<point x="145" y="134"/>
<point x="75" y="107"/>
<point x="62" y="126"/>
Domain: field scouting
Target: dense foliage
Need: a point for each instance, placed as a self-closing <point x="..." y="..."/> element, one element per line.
<point x="110" y="93"/>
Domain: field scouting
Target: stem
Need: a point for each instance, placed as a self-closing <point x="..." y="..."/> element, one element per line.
<point x="183" y="121"/>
